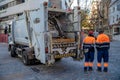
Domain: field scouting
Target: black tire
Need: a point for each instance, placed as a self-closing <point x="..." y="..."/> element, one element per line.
<point x="25" y="59"/>
<point x="57" y="60"/>
<point x="12" y="51"/>
<point x="9" y="47"/>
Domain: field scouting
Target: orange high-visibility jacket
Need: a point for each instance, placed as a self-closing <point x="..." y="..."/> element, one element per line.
<point x="89" y="40"/>
<point x="88" y="43"/>
<point x="102" y="41"/>
<point x="102" y="38"/>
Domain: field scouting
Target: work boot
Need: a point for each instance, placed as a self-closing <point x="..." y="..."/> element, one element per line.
<point x="85" y="69"/>
<point x="105" y="69"/>
<point x="90" y="69"/>
<point x="99" y="69"/>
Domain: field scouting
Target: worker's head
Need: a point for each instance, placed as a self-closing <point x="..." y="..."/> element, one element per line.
<point x="90" y="33"/>
<point x="101" y="31"/>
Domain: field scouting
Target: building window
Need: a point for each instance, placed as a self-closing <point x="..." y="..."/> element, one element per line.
<point x="12" y="3"/>
<point x="113" y="19"/>
<point x="23" y="1"/>
<point x="20" y="1"/>
<point x="118" y="7"/>
<point x="117" y="18"/>
<point x="109" y="10"/>
<point x="1" y="0"/>
<point x="113" y="9"/>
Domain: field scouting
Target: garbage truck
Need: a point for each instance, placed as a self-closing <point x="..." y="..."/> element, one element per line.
<point x="45" y="34"/>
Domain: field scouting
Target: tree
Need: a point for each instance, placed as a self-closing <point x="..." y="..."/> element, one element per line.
<point x="104" y="12"/>
<point x="85" y="22"/>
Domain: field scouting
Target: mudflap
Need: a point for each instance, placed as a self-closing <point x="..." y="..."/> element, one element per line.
<point x="27" y="56"/>
<point x="79" y="55"/>
<point x="50" y="60"/>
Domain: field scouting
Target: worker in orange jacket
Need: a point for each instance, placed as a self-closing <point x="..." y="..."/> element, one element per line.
<point x="88" y="47"/>
<point x="102" y="46"/>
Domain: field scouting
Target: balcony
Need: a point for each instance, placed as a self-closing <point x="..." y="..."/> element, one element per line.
<point x="20" y="8"/>
<point x="12" y="10"/>
<point x="3" y="2"/>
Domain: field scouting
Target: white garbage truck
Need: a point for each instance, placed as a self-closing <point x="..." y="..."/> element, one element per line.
<point x="45" y="34"/>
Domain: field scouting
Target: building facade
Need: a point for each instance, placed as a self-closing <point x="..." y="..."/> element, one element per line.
<point x="114" y="17"/>
<point x="9" y="9"/>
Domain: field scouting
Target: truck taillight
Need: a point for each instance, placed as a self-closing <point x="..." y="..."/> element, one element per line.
<point x="78" y="8"/>
<point x="69" y="10"/>
<point x="45" y="3"/>
<point x="46" y="50"/>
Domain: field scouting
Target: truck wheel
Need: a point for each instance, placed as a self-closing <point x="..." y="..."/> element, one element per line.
<point x="58" y="59"/>
<point x="9" y="47"/>
<point x="12" y="51"/>
<point x="25" y="59"/>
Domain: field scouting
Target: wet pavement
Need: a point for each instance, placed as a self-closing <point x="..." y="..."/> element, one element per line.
<point x="66" y="69"/>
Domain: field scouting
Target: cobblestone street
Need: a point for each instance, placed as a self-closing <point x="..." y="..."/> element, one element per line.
<point x="66" y="69"/>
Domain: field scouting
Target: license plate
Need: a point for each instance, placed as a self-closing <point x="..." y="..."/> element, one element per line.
<point x="64" y="55"/>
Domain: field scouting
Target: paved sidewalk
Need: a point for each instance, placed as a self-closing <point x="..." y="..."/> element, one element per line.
<point x="66" y="69"/>
<point x="116" y="37"/>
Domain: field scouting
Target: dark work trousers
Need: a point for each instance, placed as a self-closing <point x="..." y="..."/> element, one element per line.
<point x="89" y="56"/>
<point x="103" y="54"/>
